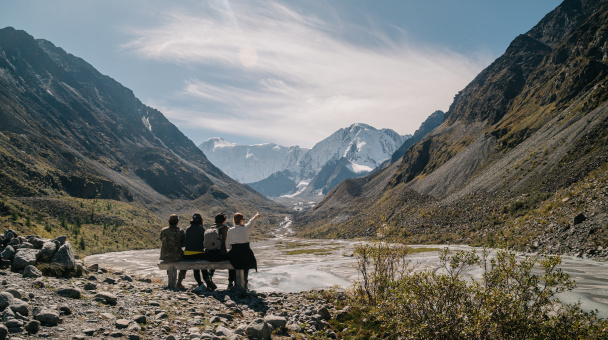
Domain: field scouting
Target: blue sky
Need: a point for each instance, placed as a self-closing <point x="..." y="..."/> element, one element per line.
<point x="286" y="72"/>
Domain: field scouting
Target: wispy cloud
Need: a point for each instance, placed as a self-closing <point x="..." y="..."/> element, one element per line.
<point x="291" y="77"/>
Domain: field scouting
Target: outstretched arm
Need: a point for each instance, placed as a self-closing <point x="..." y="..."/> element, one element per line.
<point x="251" y="222"/>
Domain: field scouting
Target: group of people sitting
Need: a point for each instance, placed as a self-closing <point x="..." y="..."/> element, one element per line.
<point x="215" y="243"/>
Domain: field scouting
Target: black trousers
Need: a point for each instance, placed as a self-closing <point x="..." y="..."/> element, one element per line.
<point x="197" y="273"/>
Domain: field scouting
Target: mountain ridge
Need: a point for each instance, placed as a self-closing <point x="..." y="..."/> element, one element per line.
<point x="528" y="126"/>
<point x="70" y="132"/>
<point x="286" y="170"/>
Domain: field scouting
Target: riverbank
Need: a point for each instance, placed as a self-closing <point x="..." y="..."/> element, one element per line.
<point x="297" y="265"/>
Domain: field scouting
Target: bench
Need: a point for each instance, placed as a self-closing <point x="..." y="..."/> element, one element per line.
<point x="173" y="267"/>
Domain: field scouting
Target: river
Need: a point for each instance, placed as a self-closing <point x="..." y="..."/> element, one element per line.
<point x="290" y="265"/>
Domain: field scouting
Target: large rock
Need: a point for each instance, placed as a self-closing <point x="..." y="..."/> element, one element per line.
<point x="61" y="239"/>
<point x="65" y="256"/>
<point x="69" y="292"/>
<point x="10" y="233"/>
<point x="36" y="241"/>
<point x="48" y="317"/>
<point x="324" y="313"/>
<point x="24" y="258"/>
<point x="47" y="251"/>
<point x="8" y="253"/>
<point x="31" y="271"/>
<point x="106" y="297"/>
<point x="26" y="245"/>
<point x="32" y="327"/>
<point x="5" y="300"/>
<point x="258" y="329"/>
<point x="20" y="306"/>
<point x="277" y="322"/>
<point x="3" y="332"/>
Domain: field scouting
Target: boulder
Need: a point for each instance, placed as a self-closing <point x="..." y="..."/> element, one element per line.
<point x="24" y="258"/>
<point x="10" y="233"/>
<point x="580" y="218"/>
<point x="140" y="319"/>
<point x="222" y="331"/>
<point x="65" y="256"/>
<point x="32" y="327"/>
<point x="8" y="253"/>
<point x="47" y="251"/>
<point x="15" y="241"/>
<point x="3" y="332"/>
<point x="61" y="239"/>
<point x="4" y="264"/>
<point x="324" y="313"/>
<point x="258" y="329"/>
<point x="15" y="293"/>
<point x="20" y="306"/>
<point x="36" y="241"/>
<point x="5" y="300"/>
<point x="31" y="271"/>
<point x="277" y="322"/>
<point x="122" y="323"/>
<point x="48" y="317"/>
<point x="69" y="292"/>
<point x="106" y="297"/>
<point x="26" y="245"/>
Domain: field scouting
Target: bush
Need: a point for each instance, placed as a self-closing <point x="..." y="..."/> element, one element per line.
<point x="513" y="299"/>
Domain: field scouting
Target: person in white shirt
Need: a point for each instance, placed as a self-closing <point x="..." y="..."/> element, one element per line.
<point x="237" y="243"/>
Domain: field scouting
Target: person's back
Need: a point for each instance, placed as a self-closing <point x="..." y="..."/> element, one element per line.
<point x="195" y="236"/>
<point x="172" y="240"/>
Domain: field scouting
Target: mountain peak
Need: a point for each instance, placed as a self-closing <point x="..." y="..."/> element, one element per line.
<point x="218" y="142"/>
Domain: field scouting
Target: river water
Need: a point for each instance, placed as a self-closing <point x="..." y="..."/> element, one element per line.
<point x="290" y="265"/>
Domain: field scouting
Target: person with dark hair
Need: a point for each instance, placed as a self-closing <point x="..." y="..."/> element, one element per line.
<point x="215" y="246"/>
<point x="195" y="250"/>
<point x="237" y="243"/>
<point x="172" y="240"/>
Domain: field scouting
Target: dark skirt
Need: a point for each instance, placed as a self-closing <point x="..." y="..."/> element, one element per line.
<point x="216" y="256"/>
<point x="241" y="257"/>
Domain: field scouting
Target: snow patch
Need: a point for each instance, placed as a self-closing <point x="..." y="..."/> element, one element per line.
<point x="358" y="168"/>
<point x="146" y="122"/>
<point x="302" y="185"/>
<point x="219" y="142"/>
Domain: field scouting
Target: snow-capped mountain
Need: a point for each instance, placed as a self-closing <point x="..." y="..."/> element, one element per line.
<point x="251" y="163"/>
<point x="275" y="170"/>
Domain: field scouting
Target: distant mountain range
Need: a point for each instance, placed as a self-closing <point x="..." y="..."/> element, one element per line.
<point x="275" y="170"/>
<point x="522" y="151"/>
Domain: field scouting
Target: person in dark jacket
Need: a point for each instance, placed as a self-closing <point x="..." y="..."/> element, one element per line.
<point x="221" y="254"/>
<point x="195" y="250"/>
<point x="237" y="243"/>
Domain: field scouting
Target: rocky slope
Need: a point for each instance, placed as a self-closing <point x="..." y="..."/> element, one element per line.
<point x="531" y="124"/>
<point x="69" y="131"/>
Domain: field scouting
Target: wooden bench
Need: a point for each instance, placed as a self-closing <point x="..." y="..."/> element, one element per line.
<point x="173" y="267"/>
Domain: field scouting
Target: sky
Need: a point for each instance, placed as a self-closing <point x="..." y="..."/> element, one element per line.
<point x="284" y="72"/>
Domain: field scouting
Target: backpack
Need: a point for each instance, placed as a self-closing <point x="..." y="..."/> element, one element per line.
<point x="213" y="239"/>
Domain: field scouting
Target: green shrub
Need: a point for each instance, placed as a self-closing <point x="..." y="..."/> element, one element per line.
<point x="513" y="299"/>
